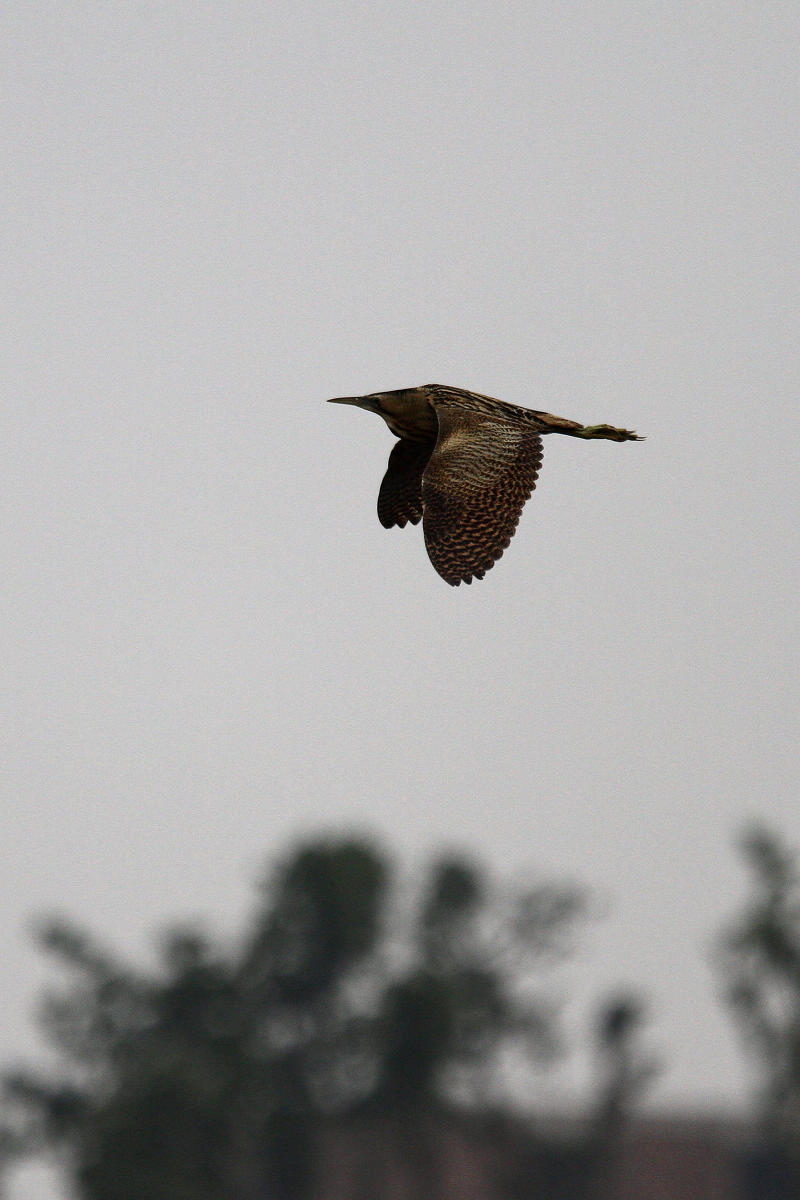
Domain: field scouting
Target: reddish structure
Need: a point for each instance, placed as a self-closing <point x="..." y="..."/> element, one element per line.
<point x="654" y="1158"/>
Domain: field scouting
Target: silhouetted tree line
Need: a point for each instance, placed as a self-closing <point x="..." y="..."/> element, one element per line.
<point x="212" y="1076"/>
<point x="362" y="1022"/>
<point x="759" y="963"/>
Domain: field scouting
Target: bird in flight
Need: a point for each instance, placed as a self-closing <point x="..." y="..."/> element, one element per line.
<point x="464" y="465"/>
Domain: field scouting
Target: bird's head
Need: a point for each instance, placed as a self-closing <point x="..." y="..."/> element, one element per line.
<point x="401" y="409"/>
<point x="371" y="403"/>
<point x="382" y="402"/>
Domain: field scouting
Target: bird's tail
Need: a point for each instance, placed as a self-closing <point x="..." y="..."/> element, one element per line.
<point x="548" y="423"/>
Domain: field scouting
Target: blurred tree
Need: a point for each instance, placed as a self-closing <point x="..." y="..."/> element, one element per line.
<point x="625" y="1071"/>
<point x="211" y="1076"/>
<point x="759" y="960"/>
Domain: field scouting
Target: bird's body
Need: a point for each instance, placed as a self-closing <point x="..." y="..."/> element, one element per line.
<point x="464" y="464"/>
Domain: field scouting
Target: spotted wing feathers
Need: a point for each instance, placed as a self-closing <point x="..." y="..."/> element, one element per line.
<point x="474" y="487"/>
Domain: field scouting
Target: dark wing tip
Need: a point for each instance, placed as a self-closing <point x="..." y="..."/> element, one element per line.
<point x="400" y="494"/>
<point x="390" y="520"/>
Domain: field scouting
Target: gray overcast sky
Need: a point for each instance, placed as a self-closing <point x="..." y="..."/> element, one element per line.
<point x="216" y="216"/>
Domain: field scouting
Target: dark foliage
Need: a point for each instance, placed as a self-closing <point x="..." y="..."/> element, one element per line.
<point x="210" y="1076"/>
<point x="759" y="960"/>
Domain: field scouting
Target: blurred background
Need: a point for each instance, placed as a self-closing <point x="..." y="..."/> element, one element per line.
<point x="523" y="854"/>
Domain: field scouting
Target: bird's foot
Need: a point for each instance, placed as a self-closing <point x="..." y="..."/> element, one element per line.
<point x="610" y="433"/>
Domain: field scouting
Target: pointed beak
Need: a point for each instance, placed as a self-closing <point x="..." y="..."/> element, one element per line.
<point x="346" y="400"/>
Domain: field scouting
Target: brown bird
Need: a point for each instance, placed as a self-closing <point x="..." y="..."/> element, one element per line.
<point x="465" y="464"/>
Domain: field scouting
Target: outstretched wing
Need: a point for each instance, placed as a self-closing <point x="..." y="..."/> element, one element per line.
<point x="400" y="497"/>
<point x="480" y="474"/>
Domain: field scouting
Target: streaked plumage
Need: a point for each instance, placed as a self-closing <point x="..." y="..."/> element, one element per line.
<point x="465" y="464"/>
